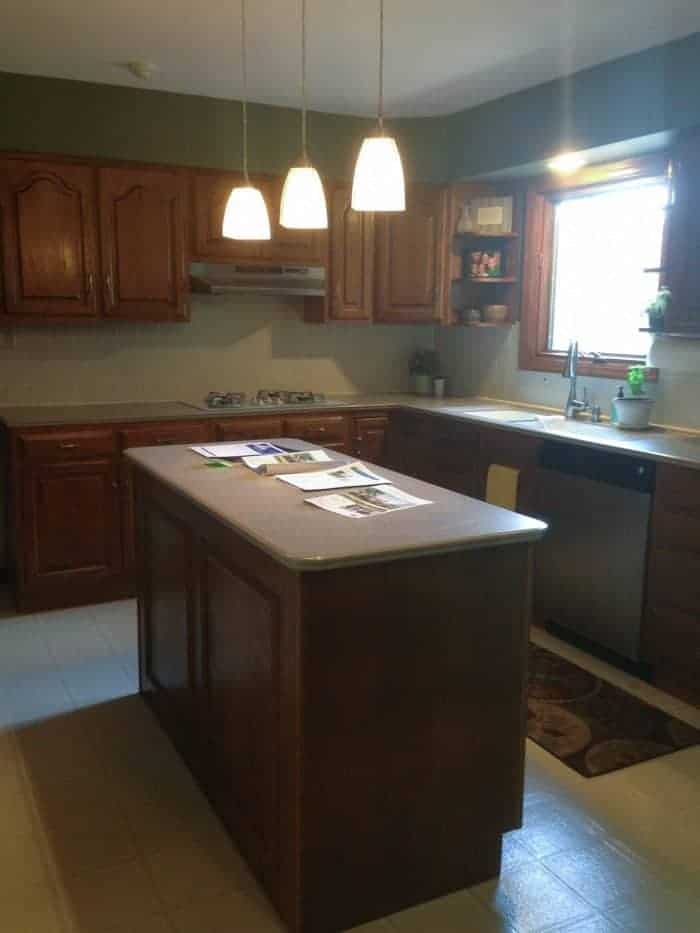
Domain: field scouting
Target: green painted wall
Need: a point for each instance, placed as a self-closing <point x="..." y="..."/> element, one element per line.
<point x="650" y="92"/>
<point x="77" y="118"/>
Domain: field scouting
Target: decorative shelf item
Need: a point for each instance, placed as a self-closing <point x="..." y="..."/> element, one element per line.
<point x="487" y="215"/>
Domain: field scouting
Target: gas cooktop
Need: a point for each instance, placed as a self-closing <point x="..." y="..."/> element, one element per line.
<point x="263" y="398"/>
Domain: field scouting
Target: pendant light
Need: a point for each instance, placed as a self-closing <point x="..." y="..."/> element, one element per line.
<point x="303" y="204"/>
<point x="245" y="217"/>
<point x="378" y="183"/>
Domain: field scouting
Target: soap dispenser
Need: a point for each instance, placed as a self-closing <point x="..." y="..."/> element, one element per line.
<point x="614" y="415"/>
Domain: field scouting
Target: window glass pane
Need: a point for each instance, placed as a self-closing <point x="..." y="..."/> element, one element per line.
<point x="599" y="290"/>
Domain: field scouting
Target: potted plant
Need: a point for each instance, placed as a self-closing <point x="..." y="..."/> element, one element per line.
<point x="424" y="367"/>
<point x="632" y="411"/>
<point x="656" y="311"/>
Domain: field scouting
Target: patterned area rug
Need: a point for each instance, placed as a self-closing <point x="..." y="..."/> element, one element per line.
<point x="592" y="726"/>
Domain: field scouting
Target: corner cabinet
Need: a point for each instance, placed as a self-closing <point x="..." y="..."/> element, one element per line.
<point x="142" y="234"/>
<point x="682" y="270"/>
<point x="49" y="241"/>
<point x="410" y="256"/>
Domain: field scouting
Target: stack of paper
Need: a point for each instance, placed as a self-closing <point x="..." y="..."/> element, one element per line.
<point x="342" y="477"/>
<point x="236" y="451"/>
<point x="363" y="503"/>
<point x="301" y="461"/>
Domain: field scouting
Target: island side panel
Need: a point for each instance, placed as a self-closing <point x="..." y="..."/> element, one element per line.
<point x="414" y="729"/>
<point x="219" y="663"/>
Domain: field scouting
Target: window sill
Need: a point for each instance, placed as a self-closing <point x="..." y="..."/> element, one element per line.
<point x="612" y="369"/>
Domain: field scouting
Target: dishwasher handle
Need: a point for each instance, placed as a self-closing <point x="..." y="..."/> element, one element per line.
<point x="614" y="469"/>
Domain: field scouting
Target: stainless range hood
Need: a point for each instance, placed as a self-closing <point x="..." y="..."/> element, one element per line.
<point x="220" y="278"/>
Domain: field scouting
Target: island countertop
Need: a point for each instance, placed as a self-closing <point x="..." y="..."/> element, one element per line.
<point x="274" y="516"/>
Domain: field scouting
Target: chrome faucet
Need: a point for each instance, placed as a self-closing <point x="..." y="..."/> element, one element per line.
<point x="574" y="405"/>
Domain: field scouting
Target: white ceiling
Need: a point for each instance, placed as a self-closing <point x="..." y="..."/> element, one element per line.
<point x="442" y="56"/>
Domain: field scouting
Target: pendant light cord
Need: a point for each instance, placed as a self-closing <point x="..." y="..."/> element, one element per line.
<point x="304" y="154"/>
<point x="244" y="71"/>
<point x="380" y="108"/>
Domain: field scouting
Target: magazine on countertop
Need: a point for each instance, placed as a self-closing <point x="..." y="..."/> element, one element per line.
<point x="341" y="477"/>
<point x="237" y="450"/>
<point x="300" y="461"/>
<point x="363" y="503"/>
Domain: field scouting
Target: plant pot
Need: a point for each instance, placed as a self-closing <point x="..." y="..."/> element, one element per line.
<point x="422" y="383"/>
<point x="632" y="414"/>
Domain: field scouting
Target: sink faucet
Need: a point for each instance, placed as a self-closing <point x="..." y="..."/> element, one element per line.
<point x="573" y="405"/>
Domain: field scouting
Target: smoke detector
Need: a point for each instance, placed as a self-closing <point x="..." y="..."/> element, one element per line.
<point x="144" y="71"/>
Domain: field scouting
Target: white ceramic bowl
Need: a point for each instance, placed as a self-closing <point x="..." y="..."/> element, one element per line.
<point x="495" y="314"/>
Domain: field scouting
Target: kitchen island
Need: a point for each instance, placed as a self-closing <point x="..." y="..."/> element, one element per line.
<point x="348" y="692"/>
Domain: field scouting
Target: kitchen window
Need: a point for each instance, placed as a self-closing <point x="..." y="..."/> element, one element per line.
<point x="587" y="248"/>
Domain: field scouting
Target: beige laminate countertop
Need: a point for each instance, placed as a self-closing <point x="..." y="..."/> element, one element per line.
<point x="274" y="516"/>
<point x="661" y="444"/>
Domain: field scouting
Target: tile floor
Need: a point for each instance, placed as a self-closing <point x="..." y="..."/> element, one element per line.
<point x="104" y="831"/>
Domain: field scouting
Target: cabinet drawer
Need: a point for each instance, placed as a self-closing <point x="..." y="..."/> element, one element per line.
<point x="243" y="429"/>
<point x="67" y="445"/>
<point x="168" y="433"/>
<point x="320" y="429"/>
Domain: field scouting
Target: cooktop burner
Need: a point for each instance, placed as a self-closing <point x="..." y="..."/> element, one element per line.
<point x="263" y="397"/>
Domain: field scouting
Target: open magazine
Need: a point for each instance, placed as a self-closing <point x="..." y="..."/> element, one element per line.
<point x="363" y="503"/>
<point x="300" y="461"/>
<point x="236" y="450"/>
<point x="341" y="477"/>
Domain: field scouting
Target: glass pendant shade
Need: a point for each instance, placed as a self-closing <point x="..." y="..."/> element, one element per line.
<point x="378" y="183"/>
<point x="246" y="217"/>
<point x="303" y="200"/>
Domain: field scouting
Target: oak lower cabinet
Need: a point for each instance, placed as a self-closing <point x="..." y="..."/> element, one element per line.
<point x="331" y="431"/>
<point x="671" y="632"/>
<point x="48" y="241"/>
<point x="507" y="448"/>
<point x="143" y="241"/>
<point x="407" y="444"/>
<point x="369" y="437"/>
<point x="151" y="435"/>
<point x="410" y="259"/>
<point x="243" y="428"/>
<point x="69" y="523"/>
<point x="440" y="451"/>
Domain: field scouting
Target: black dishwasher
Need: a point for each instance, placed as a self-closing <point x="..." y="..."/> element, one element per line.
<point x="590" y="567"/>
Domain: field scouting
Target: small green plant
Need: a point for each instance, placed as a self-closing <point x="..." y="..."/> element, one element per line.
<point x="635" y="379"/>
<point x="658" y="309"/>
<point x="424" y="362"/>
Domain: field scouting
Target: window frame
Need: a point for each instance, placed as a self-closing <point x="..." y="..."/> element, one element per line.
<point x="542" y="196"/>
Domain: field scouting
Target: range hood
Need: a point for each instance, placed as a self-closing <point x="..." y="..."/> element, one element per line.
<point x="225" y="278"/>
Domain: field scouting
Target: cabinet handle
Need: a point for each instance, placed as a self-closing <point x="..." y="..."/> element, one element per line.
<point x="90" y="284"/>
<point x="67" y="445"/>
<point x="115" y="484"/>
<point x="359" y="440"/>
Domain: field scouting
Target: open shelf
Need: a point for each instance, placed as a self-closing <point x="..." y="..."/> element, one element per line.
<point x="685" y="334"/>
<point x="492" y="280"/>
<point x="472" y="234"/>
<point x="486" y="323"/>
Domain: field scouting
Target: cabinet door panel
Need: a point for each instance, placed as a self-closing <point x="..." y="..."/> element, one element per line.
<point x="289" y="246"/>
<point x="167" y="617"/>
<point x="142" y="226"/>
<point x="410" y="247"/>
<point x="243" y="429"/>
<point x="683" y="239"/>
<point x="351" y="260"/>
<point x="49" y="234"/>
<point x="210" y="192"/>
<point x="327" y="430"/>
<point x="241" y="634"/>
<point x="71" y="520"/>
<point x="369" y="438"/>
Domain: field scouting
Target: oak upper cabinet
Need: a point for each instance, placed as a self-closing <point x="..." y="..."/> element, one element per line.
<point x="142" y="234"/>
<point x="49" y="240"/>
<point x="410" y="259"/>
<point x="682" y="272"/>
<point x="210" y="192"/>
<point x="303" y="247"/>
<point x="351" y="272"/>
